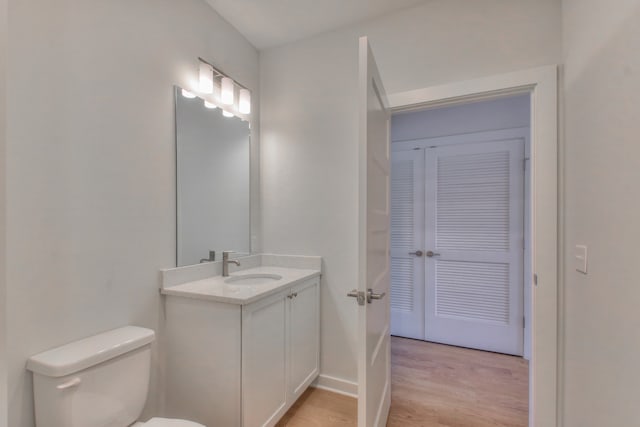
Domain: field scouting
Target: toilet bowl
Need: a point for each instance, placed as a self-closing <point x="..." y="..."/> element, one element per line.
<point x="100" y="381"/>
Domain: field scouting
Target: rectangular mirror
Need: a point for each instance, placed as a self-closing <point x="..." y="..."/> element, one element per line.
<point x="213" y="182"/>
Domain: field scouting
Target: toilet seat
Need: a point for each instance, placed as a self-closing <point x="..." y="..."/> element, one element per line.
<point x="168" y="422"/>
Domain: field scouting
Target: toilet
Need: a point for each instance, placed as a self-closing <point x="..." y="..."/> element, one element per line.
<point x="100" y="381"/>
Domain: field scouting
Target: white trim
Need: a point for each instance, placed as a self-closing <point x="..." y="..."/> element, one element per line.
<point x="542" y="83"/>
<point x="336" y="385"/>
<point x="482" y="88"/>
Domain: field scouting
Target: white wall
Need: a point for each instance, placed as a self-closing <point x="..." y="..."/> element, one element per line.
<point x="91" y="189"/>
<point x="602" y="207"/>
<point x="3" y="307"/>
<point x="495" y="114"/>
<point x="309" y="125"/>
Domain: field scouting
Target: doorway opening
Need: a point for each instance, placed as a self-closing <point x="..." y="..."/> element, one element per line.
<point x="461" y="255"/>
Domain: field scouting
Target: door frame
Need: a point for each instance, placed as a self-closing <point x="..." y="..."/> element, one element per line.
<point x="542" y="84"/>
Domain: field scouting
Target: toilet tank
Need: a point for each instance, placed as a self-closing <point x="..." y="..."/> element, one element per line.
<point x="100" y="381"/>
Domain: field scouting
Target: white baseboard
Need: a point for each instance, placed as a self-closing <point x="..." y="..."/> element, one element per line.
<point x="336" y="385"/>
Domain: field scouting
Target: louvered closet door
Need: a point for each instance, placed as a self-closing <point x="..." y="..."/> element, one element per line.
<point x="474" y="227"/>
<point x="407" y="236"/>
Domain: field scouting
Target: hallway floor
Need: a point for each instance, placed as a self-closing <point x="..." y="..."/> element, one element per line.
<point x="433" y="385"/>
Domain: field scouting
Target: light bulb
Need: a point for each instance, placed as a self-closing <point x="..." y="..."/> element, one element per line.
<point x="244" y="103"/>
<point x="188" y="94"/>
<point x="227" y="95"/>
<point x="206" y="78"/>
<point x="209" y="104"/>
<point x="227" y="114"/>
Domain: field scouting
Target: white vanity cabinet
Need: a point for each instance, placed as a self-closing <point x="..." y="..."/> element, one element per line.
<point x="280" y="352"/>
<point x="241" y="365"/>
<point x="304" y="337"/>
<point x="264" y="361"/>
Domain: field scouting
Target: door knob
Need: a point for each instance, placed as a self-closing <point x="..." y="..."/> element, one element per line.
<point x="431" y="254"/>
<point x="371" y="296"/>
<point x="358" y="295"/>
<point x="417" y="253"/>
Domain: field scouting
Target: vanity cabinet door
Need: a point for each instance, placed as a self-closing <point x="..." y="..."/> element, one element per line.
<point x="304" y="333"/>
<point x="264" y="354"/>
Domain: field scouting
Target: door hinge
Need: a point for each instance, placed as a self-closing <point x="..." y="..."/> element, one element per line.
<point x="524" y="322"/>
<point x="535" y="279"/>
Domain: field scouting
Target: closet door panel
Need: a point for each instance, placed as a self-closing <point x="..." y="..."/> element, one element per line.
<point x="475" y="246"/>
<point x="407" y="244"/>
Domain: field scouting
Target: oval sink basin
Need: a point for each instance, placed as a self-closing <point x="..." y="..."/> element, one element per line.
<point x="253" y="279"/>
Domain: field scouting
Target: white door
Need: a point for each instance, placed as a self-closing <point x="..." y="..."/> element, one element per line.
<point x="374" y="385"/>
<point x="407" y="243"/>
<point x="474" y="242"/>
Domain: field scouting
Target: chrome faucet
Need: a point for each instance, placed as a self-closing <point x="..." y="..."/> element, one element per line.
<point x="226" y="261"/>
<point x="212" y="257"/>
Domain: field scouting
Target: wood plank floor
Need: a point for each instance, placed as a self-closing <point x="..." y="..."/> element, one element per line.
<point x="433" y="385"/>
<point x="321" y="408"/>
<point x="436" y="385"/>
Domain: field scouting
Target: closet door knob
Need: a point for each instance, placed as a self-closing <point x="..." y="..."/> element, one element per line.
<point x="416" y="253"/>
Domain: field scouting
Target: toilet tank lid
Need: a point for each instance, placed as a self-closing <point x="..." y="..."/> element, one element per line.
<point x="78" y="355"/>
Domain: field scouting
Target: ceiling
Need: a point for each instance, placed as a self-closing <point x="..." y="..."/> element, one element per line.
<point x="269" y="23"/>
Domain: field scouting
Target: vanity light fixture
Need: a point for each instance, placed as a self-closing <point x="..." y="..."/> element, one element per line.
<point x="227" y="91"/>
<point x="244" y="103"/>
<point x="212" y="80"/>
<point x="188" y="94"/>
<point x="206" y="78"/>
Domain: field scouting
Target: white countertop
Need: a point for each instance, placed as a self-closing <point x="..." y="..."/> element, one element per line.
<point x="215" y="289"/>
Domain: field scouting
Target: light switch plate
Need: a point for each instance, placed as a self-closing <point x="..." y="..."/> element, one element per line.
<point x="581" y="259"/>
